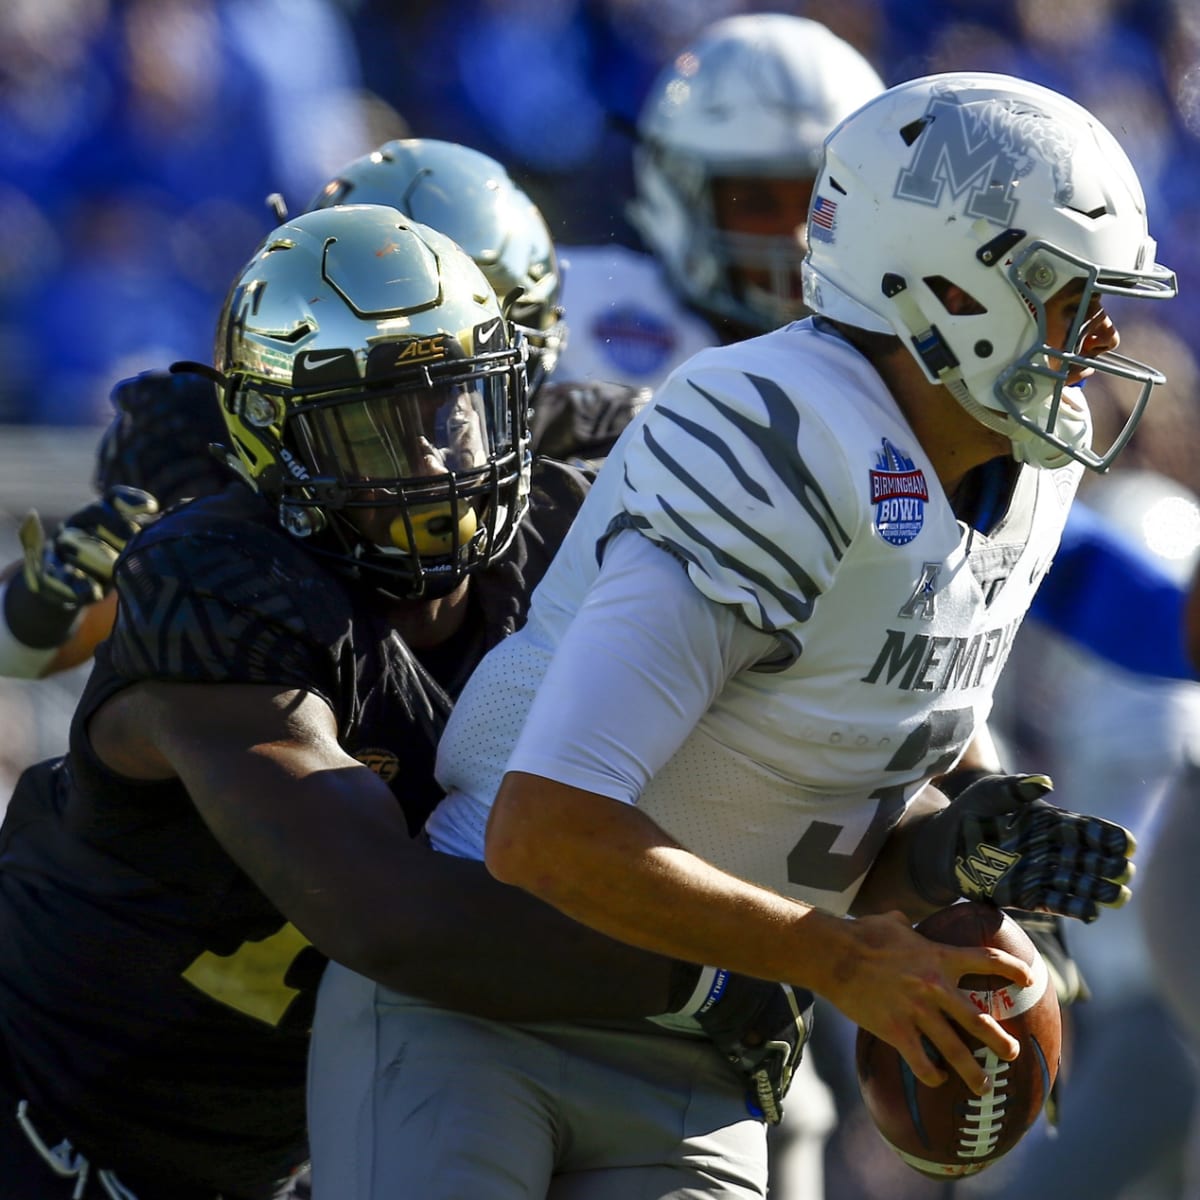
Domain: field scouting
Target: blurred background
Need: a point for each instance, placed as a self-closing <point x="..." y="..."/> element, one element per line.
<point x="139" y="140"/>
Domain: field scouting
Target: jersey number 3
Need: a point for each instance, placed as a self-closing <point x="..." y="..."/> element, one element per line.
<point x="936" y="744"/>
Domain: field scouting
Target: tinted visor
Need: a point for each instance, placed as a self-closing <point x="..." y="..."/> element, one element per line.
<point x="381" y="439"/>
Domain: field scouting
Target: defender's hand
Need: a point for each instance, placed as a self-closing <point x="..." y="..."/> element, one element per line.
<point x="761" y="1028"/>
<point x="75" y="567"/>
<point x="999" y="841"/>
<point x="1049" y="935"/>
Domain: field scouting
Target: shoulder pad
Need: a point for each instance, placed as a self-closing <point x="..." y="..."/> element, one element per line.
<point x="746" y="485"/>
<point x="582" y="418"/>
<point x="214" y="591"/>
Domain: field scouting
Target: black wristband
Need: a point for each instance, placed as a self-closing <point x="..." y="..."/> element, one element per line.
<point x="684" y="977"/>
<point x="33" y="620"/>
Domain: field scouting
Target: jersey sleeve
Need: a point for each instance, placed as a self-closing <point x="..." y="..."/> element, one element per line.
<point x="745" y="485"/>
<point x="227" y="606"/>
<point x="652" y="653"/>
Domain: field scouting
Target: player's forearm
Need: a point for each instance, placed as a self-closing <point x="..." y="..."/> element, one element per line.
<point x="496" y="951"/>
<point x="889" y="886"/>
<point x="335" y="857"/>
<point x="610" y="867"/>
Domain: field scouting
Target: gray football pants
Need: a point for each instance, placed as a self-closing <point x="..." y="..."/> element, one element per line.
<point x="411" y="1102"/>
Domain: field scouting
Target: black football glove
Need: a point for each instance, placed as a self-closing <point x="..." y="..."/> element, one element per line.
<point x="162" y="437"/>
<point x="761" y="1029"/>
<point x="74" y="568"/>
<point x="1048" y="933"/>
<point x="999" y="841"/>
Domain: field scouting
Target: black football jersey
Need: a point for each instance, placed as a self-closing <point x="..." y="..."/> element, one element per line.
<point x="155" y="1005"/>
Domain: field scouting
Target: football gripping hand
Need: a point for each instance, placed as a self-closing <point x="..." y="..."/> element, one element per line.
<point x="761" y="1029"/>
<point x="999" y="841"/>
<point x="75" y="567"/>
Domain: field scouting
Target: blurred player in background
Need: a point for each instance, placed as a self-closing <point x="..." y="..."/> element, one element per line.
<point x="728" y="146"/>
<point x="1119" y="742"/>
<point x="57" y="602"/>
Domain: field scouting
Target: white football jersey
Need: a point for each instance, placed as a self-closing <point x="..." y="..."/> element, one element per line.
<point x="782" y="473"/>
<point x="625" y="323"/>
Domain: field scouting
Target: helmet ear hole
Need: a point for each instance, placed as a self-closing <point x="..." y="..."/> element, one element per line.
<point x="955" y="300"/>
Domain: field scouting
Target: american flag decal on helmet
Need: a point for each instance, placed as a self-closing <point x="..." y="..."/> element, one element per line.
<point x="823" y="219"/>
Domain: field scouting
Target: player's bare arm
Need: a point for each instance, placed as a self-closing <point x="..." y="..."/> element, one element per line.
<point x="324" y="838"/>
<point x="609" y="866"/>
<point x="888" y="886"/>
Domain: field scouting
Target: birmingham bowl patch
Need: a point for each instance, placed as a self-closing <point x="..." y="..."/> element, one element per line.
<point x="899" y="493"/>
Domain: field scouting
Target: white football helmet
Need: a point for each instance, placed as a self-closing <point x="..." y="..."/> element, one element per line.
<point x="1009" y="192"/>
<point x="470" y="198"/>
<point x="752" y="97"/>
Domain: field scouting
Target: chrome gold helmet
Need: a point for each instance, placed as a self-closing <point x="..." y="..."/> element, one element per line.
<point x="469" y="197"/>
<point x="374" y="391"/>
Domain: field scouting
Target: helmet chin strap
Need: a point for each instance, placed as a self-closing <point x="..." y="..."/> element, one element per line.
<point x="1028" y="446"/>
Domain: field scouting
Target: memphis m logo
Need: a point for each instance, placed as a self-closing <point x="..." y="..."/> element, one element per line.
<point x="982" y="149"/>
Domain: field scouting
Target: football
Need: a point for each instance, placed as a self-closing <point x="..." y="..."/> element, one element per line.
<point x="948" y="1131"/>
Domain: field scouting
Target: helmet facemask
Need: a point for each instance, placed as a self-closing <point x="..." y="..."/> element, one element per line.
<point x="411" y="484"/>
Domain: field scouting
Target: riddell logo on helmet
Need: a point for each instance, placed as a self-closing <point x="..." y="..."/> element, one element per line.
<point x="422" y="349"/>
<point x="295" y="468"/>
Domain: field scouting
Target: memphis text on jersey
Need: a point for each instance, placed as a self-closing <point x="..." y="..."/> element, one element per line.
<point x="926" y="662"/>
